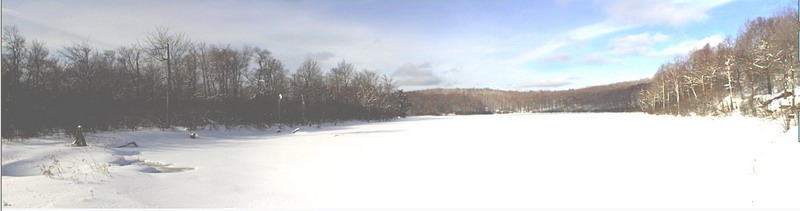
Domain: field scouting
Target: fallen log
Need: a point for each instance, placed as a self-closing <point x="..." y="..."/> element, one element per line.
<point x="133" y="143"/>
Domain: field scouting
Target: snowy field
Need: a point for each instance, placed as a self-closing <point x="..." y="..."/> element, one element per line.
<point x="601" y="160"/>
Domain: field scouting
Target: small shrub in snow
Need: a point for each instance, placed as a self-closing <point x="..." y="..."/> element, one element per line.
<point x="51" y="169"/>
<point x="785" y="121"/>
<point x="98" y="167"/>
<point x="77" y="172"/>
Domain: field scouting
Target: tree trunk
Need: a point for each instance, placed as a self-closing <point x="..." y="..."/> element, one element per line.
<point x="730" y="89"/>
<point x="769" y="81"/>
<point x="678" y="96"/>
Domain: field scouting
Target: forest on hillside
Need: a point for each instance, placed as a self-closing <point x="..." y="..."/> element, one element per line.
<point x="618" y="97"/>
<point x="167" y="79"/>
<point x="753" y="74"/>
<point x="745" y="74"/>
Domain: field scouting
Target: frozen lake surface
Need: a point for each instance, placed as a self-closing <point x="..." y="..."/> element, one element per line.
<point x="605" y="160"/>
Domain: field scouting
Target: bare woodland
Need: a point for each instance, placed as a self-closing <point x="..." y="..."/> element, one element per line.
<point x="618" y="97"/>
<point x="169" y="80"/>
<point x="742" y="74"/>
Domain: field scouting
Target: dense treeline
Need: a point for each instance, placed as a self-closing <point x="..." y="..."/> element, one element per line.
<point x="618" y="97"/>
<point x="746" y="74"/>
<point x="169" y="80"/>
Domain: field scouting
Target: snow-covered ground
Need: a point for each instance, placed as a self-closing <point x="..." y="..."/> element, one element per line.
<point x="600" y="160"/>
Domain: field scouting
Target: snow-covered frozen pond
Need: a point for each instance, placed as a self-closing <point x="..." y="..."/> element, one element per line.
<point x="606" y="160"/>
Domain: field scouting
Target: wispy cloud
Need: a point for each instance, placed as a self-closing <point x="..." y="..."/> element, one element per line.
<point x="597" y="29"/>
<point x="546" y="83"/>
<point x="57" y="36"/>
<point x="636" y="44"/>
<point x="596" y="59"/>
<point x="540" y="51"/>
<point x="629" y="14"/>
<point x="671" y="12"/>
<point x="689" y="45"/>
<point x="558" y="58"/>
<point x="575" y="35"/>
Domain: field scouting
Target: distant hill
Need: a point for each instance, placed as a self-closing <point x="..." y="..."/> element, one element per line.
<point x="617" y="97"/>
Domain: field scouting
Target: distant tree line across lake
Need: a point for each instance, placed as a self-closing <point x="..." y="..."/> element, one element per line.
<point x="169" y="80"/>
<point x="745" y="74"/>
<point x="618" y="97"/>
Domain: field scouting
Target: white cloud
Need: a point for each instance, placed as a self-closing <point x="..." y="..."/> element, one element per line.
<point x="261" y="24"/>
<point x="629" y="14"/>
<point x="595" y="59"/>
<point x="637" y="44"/>
<point x="540" y="51"/>
<point x="674" y="12"/>
<point x="596" y="30"/>
<point x="43" y="32"/>
<point x="320" y="56"/>
<point x="416" y="75"/>
<point x="554" y="83"/>
<point x="578" y="34"/>
<point x="690" y="45"/>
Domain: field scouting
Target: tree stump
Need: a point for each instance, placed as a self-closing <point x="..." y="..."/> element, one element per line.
<point x="79" y="139"/>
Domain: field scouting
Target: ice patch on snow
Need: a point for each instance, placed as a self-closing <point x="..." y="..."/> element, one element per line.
<point x="158" y="167"/>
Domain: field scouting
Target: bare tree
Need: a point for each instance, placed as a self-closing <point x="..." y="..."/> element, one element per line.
<point x="79" y="55"/>
<point x="167" y="47"/>
<point x="37" y="63"/>
<point x="13" y="52"/>
<point x="131" y="59"/>
<point x="340" y="79"/>
<point x="367" y="90"/>
<point x="308" y="85"/>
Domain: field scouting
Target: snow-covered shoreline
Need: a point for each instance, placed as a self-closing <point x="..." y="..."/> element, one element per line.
<point x="577" y="160"/>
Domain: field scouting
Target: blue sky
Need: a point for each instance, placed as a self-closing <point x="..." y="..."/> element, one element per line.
<point x="503" y="44"/>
